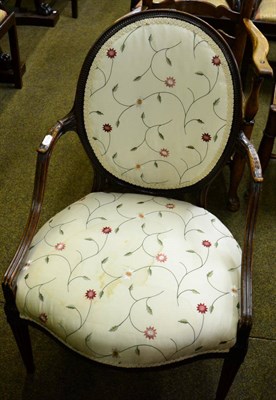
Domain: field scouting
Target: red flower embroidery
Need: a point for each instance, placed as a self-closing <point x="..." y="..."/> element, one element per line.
<point x="141" y="215"/>
<point x="161" y="257"/>
<point x="43" y="318"/>
<point x="107" y="127"/>
<point x="90" y="294"/>
<point x="216" y="61"/>
<point x="138" y="166"/>
<point x="106" y="230"/>
<point x="150" y="332"/>
<point x="170" y="205"/>
<point x="60" y="246"/>
<point x="111" y="53"/>
<point x="206" y="137"/>
<point x="164" y="152"/>
<point x="206" y="243"/>
<point x="170" y="81"/>
<point x="202" y="308"/>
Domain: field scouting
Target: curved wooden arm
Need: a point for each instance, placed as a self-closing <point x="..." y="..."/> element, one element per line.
<point x="252" y="158"/>
<point x="260" y="49"/>
<point x="247" y="255"/>
<point x="43" y="158"/>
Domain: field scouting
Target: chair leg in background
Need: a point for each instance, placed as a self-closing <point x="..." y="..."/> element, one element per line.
<point x="74" y="8"/>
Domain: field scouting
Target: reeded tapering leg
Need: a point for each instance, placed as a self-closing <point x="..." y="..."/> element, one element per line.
<point x="232" y="363"/>
<point x="20" y="330"/>
<point x="230" y="369"/>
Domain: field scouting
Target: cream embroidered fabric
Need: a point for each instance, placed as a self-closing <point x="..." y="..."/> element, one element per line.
<point x="158" y="104"/>
<point x="3" y="15"/>
<point x="266" y="11"/>
<point x="134" y="280"/>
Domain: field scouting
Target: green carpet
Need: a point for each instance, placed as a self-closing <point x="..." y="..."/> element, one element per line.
<point x="53" y="59"/>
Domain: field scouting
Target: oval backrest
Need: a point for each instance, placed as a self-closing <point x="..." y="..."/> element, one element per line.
<point x="159" y="100"/>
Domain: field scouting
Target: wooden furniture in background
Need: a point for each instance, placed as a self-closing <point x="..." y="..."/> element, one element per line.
<point x="17" y="68"/>
<point x="43" y="15"/>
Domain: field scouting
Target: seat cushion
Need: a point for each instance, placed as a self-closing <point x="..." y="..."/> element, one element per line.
<point x="134" y="280"/>
<point x="266" y="11"/>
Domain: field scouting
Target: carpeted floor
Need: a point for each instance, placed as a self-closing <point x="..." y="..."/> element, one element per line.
<point x="53" y="59"/>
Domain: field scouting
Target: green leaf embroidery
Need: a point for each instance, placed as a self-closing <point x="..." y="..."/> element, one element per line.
<point x="104" y="260"/>
<point x="183" y="321"/>
<point x="137" y="351"/>
<point x="71" y="307"/>
<point x="88" y="337"/>
<point x="210" y="274"/>
<point x="168" y="61"/>
<point x="216" y="102"/>
<point x="137" y="78"/>
<point x="47" y="259"/>
<point x="159" y="98"/>
<point x="114" y="328"/>
<point x="115" y="88"/>
<point x="149" y="310"/>
<point x="41" y="297"/>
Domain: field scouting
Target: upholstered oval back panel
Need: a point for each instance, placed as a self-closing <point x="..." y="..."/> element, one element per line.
<point x="159" y="101"/>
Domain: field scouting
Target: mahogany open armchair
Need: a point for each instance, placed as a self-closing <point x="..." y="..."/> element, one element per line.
<point x="131" y="275"/>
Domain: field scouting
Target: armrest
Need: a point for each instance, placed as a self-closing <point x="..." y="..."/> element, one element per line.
<point x="260" y="49"/>
<point x="43" y="159"/>
<point x="252" y="158"/>
<point x="247" y="255"/>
